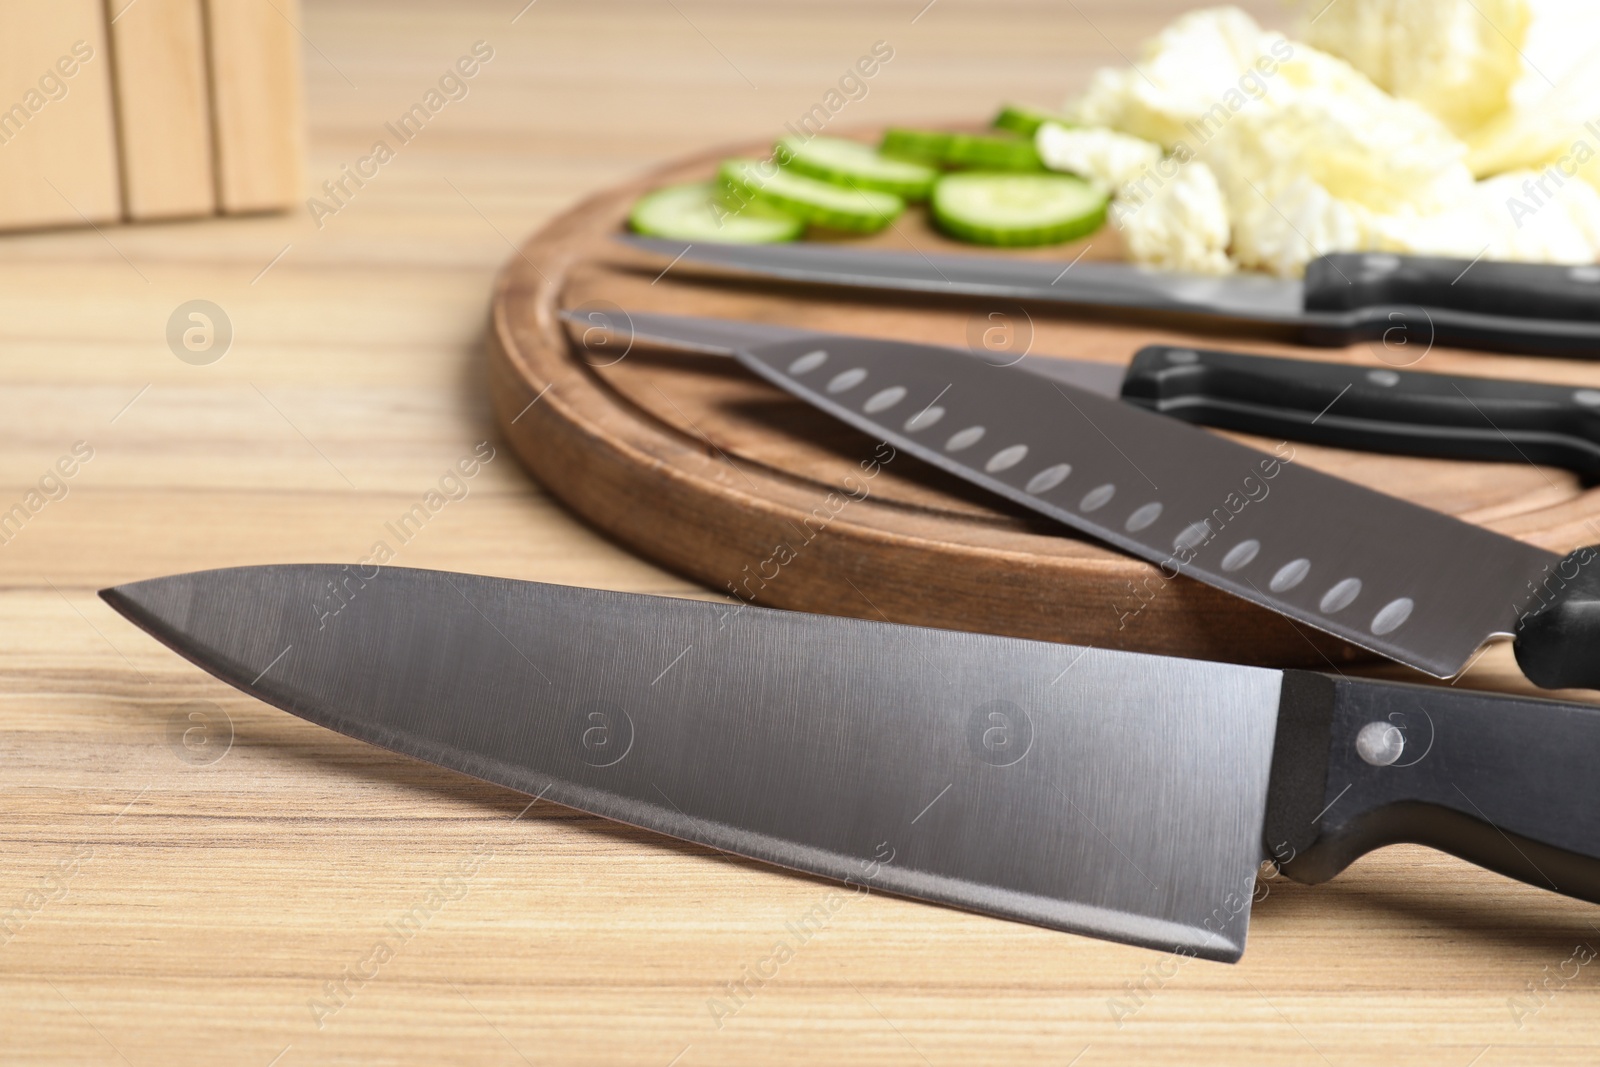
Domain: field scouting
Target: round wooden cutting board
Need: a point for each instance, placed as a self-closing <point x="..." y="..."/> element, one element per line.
<point x="703" y="468"/>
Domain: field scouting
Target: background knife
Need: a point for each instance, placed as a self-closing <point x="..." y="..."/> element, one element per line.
<point x="1345" y="298"/>
<point x="1124" y="796"/>
<point x="1409" y="583"/>
<point x="1372" y="409"/>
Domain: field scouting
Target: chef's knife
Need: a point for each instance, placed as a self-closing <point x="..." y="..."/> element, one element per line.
<point x="1373" y="409"/>
<point x="1345" y="298"/>
<point x="1420" y="587"/>
<point x="1124" y="796"/>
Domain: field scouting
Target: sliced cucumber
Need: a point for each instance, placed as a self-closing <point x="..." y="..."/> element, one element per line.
<point x="697" y="212"/>
<point x="1023" y="120"/>
<point x="924" y="146"/>
<point x="983" y="151"/>
<point x="753" y="181"/>
<point x="856" y="165"/>
<point x="1017" y="209"/>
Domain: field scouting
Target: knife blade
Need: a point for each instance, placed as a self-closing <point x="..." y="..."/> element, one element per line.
<point x="1117" y="795"/>
<point x="1345" y="298"/>
<point x="1422" y="588"/>
<point x="1397" y="412"/>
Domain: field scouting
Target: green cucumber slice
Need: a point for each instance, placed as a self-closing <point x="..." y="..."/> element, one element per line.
<point x="697" y="212"/>
<point x="856" y="165"/>
<point x="923" y="146"/>
<point x="1024" y="120"/>
<point x="1015" y="210"/>
<point x="760" y="181"/>
<point x="978" y="150"/>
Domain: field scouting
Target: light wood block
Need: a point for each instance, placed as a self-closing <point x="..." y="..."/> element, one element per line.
<point x="58" y="158"/>
<point x="163" y="108"/>
<point x="256" y="104"/>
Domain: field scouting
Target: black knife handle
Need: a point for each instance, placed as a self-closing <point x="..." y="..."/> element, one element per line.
<point x="1558" y="633"/>
<point x="1350" y="281"/>
<point x="1421" y="301"/>
<point x="1372" y="409"/>
<point x="1507" y="783"/>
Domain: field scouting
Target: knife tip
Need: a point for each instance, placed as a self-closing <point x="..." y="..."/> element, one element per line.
<point x="133" y="600"/>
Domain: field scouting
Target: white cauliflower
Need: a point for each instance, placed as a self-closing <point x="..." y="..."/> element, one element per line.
<point x="1460" y="59"/>
<point x="1542" y="217"/>
<point x="1200" y="63"/>
<point x="1310" y="156"/>
<point x="1516" y="79"/>
<point x="1100" y="155"/>
<point x="1180" y="223"/>
<point x="1297" y="223"/>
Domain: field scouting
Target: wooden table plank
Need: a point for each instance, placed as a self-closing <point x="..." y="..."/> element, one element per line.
<point x="209" y="895"/>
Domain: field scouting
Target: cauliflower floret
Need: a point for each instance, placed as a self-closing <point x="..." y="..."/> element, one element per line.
<point x="1105" y="156"/>
<point x="1310" y="156"/>
<point x="1459" y="59"/>
<point x="1365" y="148"/>
<point x="1517" y="79"/>
<point x="1184" y="73"/>
<point x="1181" y="224"/>
<point x="1564" y="123"/>
<point x="1170" y="214"/>
<point x="1296" y="225"/>
<point x="1306" y="149"/>
<point x="1310" y="177"/>
<point x="1304" y="221"/>
<point x="1542" y="217"/>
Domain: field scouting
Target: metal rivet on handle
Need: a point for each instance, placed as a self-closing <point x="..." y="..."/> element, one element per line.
<point x="808" y="362"/>
<point x="847" y="379"/>
<point x="1587" y="275"/>
<point x="1381" y="263"/>
<point x="1006" y="458"/>
<point x="1589" y="398"/>
<point x="1385" y="378"/>
<point x="1290" y="575"/>
<point x="1143" y="517"/>
<point x="1183" y="355"/>
<point x="964" y="439"/>
<point x="1341" y="596"/>
<point x="884" y="399"/>
<point x="1379" y="744"/>
<point x="923" y="419"/>
<point x="1048" y="478"/>
<point x="1392" y="616"/>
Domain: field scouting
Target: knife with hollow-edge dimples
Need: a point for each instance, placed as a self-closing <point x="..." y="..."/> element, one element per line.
<point x="1420" y="587"/>
<point x="1372" y="409"/>
<point x="1528" y="308"/>
<point x="1123" y="796"/>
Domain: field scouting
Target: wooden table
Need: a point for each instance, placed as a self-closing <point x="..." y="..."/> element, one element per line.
<point x="190" y="876"/>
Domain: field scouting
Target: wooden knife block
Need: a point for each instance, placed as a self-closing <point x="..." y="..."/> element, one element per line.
<point x="124" y="110"/>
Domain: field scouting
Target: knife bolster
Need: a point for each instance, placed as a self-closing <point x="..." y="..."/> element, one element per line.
<point x="1299" y="764"/>
<point x="1558" y="632"/>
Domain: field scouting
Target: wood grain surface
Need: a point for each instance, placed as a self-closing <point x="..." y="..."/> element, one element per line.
<point x="256" y="104"/>
<point x="189" y="876"/>
<point x="163" y="109"/>
<point x="56" y="123"/>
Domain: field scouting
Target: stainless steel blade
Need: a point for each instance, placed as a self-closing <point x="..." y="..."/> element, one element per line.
<point x="1106" y="793"/>
<point x="724" y="337"/>
<point x="1401" y="580"/>
<point x="1257" y="297"/>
